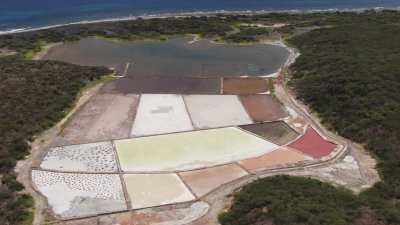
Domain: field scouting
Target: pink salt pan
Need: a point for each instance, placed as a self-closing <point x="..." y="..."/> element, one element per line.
<point x="275" y="159"/>
<point x="205" y="180"/>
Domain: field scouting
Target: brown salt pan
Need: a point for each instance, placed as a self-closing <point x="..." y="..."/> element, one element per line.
<point x="278" y="132"/>
<point x="244" y="85"/>
<point x="263" y="107"/>
<point x="165" y="85"/>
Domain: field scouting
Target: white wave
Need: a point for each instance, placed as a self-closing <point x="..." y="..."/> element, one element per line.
<point x="192" y="13"/>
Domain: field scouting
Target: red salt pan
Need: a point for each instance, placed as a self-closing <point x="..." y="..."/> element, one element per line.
<point x="311" y="143"/>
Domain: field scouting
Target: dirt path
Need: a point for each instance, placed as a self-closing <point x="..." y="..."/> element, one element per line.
<point x="43" y="52"/>
<point x="38" y="149"/>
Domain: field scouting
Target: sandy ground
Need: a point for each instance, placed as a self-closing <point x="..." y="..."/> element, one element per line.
<point x="205" y="180"/>
<point x="144" y="190"/>
<point x="105" y="117"/>
<point x="208" y="111"/>
<point x="160" y="114"/>
<point x="189" y="150"/>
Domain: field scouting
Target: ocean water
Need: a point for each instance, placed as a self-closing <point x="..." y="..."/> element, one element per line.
<point x="17" y="14"/>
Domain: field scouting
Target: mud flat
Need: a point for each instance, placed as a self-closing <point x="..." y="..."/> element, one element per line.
<point x="148" y="190"/>
<point x="159" y="114"/>
<point x="78" y="195"/>
<point x="209" y="111"/>
<point x="239" y="86"/>
<point x="205" y="180"/>
<point x="277" y="159"/>
<point x="312" y="144"/>
<point x="263" y="107"/>
<point x="106" y="116"/>
<point x="189" y="150"/>
<point x="175" y="57"/>
<point x="93" y="157"/>
<point x="277" y="132"/>
<point x="165" y="85"/>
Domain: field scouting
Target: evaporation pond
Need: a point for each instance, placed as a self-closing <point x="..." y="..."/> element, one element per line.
<point x="189" y="150"/>
<point x="175" y="57"/>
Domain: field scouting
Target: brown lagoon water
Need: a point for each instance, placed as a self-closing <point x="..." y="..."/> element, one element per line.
<point x="175" y="57"/>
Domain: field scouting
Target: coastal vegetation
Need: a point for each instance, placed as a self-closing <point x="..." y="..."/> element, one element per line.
<point x="288" y="200"/>
<point x="348" y="72"/>
<point x="350" y="75"/>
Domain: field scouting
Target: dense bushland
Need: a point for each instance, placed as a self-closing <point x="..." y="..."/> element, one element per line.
<point x="34" y="96"/>
<point x="350" y="75"/>
<point x="288" y="200"/>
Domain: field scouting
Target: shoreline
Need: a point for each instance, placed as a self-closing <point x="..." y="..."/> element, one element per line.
<point x="193" y="13"/>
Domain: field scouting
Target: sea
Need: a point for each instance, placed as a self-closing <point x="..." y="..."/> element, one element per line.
<point x="18" y="15"/>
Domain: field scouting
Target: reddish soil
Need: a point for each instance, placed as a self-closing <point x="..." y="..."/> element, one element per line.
<point x="276" y="159"/>
<point x="277" y="132"/>
<point x="165" y="85"/>
<point x="311" y="143"/>
<point x="263" y="107"/>
<point x="205" y="180"/>
<point x="239" y="86"/>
